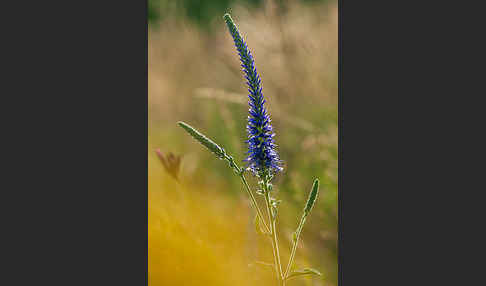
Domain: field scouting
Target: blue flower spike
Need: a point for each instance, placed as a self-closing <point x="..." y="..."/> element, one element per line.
<point x="262" y="157"/>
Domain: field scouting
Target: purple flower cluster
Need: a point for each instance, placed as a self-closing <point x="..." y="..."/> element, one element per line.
<point x="262" y="155"/>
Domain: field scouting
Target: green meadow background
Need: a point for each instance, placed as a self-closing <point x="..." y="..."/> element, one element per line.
<point x="201" y="230"/>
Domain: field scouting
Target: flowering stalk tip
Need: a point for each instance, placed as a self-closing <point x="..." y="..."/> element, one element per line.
<point x="262" y="154"/>
<point x="205" y="141"/>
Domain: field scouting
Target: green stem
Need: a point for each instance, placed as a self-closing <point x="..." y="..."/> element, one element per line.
<point x="276" y="254"/>
<point x="247" y="187"/>
<point x="254" y="203"/>
<point x="294" y="245"/>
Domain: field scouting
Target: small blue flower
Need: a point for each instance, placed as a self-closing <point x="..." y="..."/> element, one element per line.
<point x="262" y="154"/>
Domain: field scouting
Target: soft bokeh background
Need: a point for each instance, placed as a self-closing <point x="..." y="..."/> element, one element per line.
<point x="201" y="231"/>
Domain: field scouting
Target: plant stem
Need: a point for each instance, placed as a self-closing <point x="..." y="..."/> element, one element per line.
<point x="254" y="203"/>
<point x="294" y="245"/>
<point x="276" y="254"/>
<point x="239" y="171"/>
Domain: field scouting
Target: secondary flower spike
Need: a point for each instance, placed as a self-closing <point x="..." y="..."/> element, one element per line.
<point x="262" y="155"/>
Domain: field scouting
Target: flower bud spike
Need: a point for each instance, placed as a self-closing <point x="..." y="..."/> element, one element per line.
<point x="261" y="145"/>
<point x="208" y="143"/>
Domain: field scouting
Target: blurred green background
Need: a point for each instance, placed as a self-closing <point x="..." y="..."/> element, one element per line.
<point x="202" y="12"/>
<point x="201" y="231"/>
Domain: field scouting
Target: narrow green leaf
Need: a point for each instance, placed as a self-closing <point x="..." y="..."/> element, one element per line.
<point x="305" y="271"/>
<point x="312" y="197"/>
<point x="262" y="264"/>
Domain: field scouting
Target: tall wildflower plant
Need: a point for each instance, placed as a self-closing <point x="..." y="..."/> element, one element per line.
<point x="262" y="161"/>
